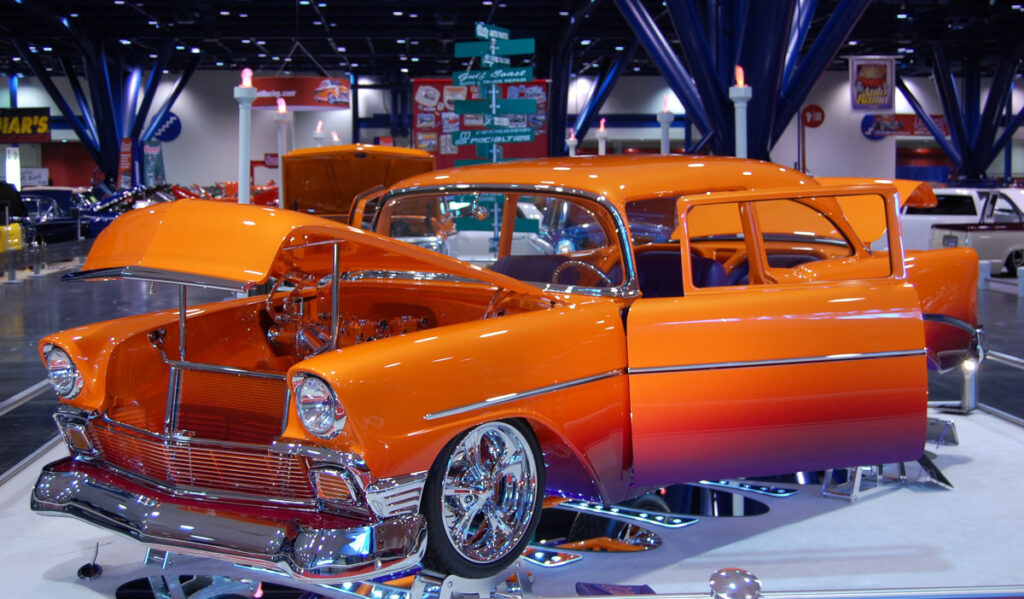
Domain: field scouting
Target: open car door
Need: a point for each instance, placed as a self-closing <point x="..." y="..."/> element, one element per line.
<point x="810" y="355"/>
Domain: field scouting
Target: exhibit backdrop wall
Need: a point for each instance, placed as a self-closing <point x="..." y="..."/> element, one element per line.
<point x="206" y="150"/>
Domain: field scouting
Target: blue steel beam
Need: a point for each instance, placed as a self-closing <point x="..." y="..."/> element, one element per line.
<point x="558" y="94"/>
<point x="130" y="93"/>
<point x="109" y="141"/>
<point x="58" y="99"/>
<point x="972" y="103"/>
<point x="179" y="86"/>
<point x="951" y="106"/>
<point x="83" y="104"/>
<point x="695" y="48"/>
<point x="817" y="59"/>
<point x="699" y="146"/>
<point x="603" y="89"/>
<point x="661" y="53"/>
<point x="797" y="34"/>
<point x="762" y="55"/>
<point x="929" y="122"/>
<point x="999" y="89"/>
<point x="151" y="84"/>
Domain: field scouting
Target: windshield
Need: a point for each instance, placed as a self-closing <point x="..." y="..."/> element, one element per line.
<point x="543" y="239"/>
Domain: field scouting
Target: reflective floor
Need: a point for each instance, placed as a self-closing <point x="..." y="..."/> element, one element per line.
<point x="35" y="306"/>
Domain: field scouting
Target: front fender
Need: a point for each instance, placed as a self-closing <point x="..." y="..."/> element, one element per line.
<point x="561" y="369"/>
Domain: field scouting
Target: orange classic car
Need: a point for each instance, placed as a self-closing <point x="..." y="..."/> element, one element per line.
<point x="638" y="322"/>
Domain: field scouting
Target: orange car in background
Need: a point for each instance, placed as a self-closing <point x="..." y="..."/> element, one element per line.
<point x="640" y="321"/>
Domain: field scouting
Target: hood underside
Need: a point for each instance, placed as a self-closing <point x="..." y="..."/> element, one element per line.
<point x="236" y="247"/>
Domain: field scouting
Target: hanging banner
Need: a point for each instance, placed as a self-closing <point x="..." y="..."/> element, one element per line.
<point x="302" y="93"/>
<point x="437" y="122"/>
<point x="124" y="164"/>
<point x="878" y="126"/>
<point x="153" y="164"/>
<point x="24" y="125"/>
<point x="872" y="82"/>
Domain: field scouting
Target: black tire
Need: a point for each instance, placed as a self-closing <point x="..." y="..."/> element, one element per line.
<point x="1014" y="261"/>
<point x="461" y="503"/>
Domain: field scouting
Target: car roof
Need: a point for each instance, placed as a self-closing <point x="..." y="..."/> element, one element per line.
<point x="621" y="178"/>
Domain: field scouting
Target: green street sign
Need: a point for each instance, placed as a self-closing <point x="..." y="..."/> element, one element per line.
<point x="485" y="31"/>
<point x="501" y="48"/>
<point x="513" y="106"/>
<point x="492" y="136"/>
<point x="489" y="60"/>
<point x="495" y="75"/>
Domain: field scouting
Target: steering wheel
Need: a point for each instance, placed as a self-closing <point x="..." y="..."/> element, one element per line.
<point x="581" y="265"/>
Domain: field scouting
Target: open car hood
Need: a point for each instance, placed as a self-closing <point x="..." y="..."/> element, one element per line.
<point x="236" y="247"/>
<point x="869" y="223"/>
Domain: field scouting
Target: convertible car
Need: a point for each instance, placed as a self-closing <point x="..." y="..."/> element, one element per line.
<point x="377" y="403"/>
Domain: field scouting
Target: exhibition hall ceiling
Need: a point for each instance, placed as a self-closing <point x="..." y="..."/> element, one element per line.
<point x="414" y="38"/>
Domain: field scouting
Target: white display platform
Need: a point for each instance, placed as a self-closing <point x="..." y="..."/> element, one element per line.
<point x="912" y="536"/>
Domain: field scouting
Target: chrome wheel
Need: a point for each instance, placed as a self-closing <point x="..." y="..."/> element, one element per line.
<point x="489" y="493"/>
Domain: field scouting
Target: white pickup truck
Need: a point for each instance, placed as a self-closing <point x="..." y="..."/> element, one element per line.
<point x="989" y="220"/>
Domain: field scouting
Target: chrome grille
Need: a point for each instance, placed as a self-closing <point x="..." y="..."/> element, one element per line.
<point x="198" y="466"/>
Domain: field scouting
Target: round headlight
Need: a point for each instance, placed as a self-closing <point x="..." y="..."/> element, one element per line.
<point x="318" y="406"/>
<point x="61" y="372"/>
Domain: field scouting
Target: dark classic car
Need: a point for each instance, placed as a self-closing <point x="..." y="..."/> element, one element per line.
<point x="380" y="403"/>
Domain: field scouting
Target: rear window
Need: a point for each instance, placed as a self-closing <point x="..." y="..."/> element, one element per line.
<point x="956" y="205"/>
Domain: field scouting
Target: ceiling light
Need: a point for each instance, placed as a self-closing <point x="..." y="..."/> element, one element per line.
<point x="262" y="55"/>
<point x="303" y="2"/>
<point x="73" y="15"/>
<point x="403" y="57"/>
<point x="563" y="13"/>
<point x="635" y="69"/>
<point x="195" y="50"/>
<point x="287" y="58"/>
<point x="166" y="71"/>
<point x="619" y="48"/>
<point x="119" y="2"/>
<point x="413" y="15"/>
<point x="49" y="49"/>
<point x="318" y="22"/>
<point x="152" y="55"/>
<point x="902" y="15"/>
<point x="404" y="70"/>
<point x="247" y="41"/>
<point x="584" y="42"/>
<point x="397" y="13"/>
<point x="260" y="42"/>
<point x="322" y="4"/>
<point x="179" y="47"/>
<point x="414" y="42"/>
<point x="225" y="13"/>
<point x="354" y="64"/>
<point x="341" y="48"/>
<point x="220" y="63"/>
<point x="243" y="15"/>
<point x="153" y="23"/>
<point x="853" y="42"/>
<point x="275" y="58"/>
<point x="415" y="59"/>
<point x="15" y="58"/>
<point x="124" y="42"/>
<point x="488" y="3"/>
<point x="399" y="41"/>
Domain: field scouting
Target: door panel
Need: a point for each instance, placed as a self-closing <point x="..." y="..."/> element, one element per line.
<point x="771" y="379"/>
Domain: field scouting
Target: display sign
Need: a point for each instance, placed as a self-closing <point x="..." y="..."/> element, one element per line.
<point x="878" y="126"/>
<point x="812" y="116"/>
<point x="153" y="172"/>
<point x="35" y="176"/>
<point x="169" y="128"/>
<point x="24" y="125"/>
<point x="872" y="82"/>
<point x="303" y="93"/>
<point x="497" y="75"/>
<point x="270" y="160"/>
<point x="486" y="31"/>
<point x="435" y="121"/>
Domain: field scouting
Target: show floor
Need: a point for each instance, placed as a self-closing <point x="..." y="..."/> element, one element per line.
<point x="897" y="536"/>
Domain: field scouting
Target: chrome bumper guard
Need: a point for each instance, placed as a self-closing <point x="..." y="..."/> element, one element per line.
<point x="309" y="546"/>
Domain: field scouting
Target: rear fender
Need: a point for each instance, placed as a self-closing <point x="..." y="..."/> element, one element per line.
<point x="946" y="282"/>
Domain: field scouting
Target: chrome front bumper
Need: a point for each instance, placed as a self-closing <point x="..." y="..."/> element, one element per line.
<point x="310" y="546"/>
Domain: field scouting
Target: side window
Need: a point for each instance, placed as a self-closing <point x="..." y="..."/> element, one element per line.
<point x="999" y="210"/>
<point x="948" y="205"/>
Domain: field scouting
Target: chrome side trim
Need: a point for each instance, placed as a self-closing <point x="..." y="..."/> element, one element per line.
<point x="154" y="275"/>
<point x="389" y="497"/>
<point x="781" y="362"/>
<point x="324" y="455"/>
<point x="979" y="343"/>
<point x="509" y="397"/>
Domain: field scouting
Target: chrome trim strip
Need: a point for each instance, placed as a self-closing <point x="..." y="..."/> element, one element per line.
<point x="630" y="286"/>
<point x="951" y="321"/>
<point x="509" y="397"/>
<point x="186" y="365"/>
<point x="781" y="362"/>
<point x="155" y="275"/>
<point x="396" y="496"/>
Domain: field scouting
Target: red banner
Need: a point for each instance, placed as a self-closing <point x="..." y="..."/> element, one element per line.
<point x="124" y="164"/>
<point x="877" y="126"/>
<point x="302" y="93"/>
<point x="24" y="125"/>
<point x="435" y="120"/>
